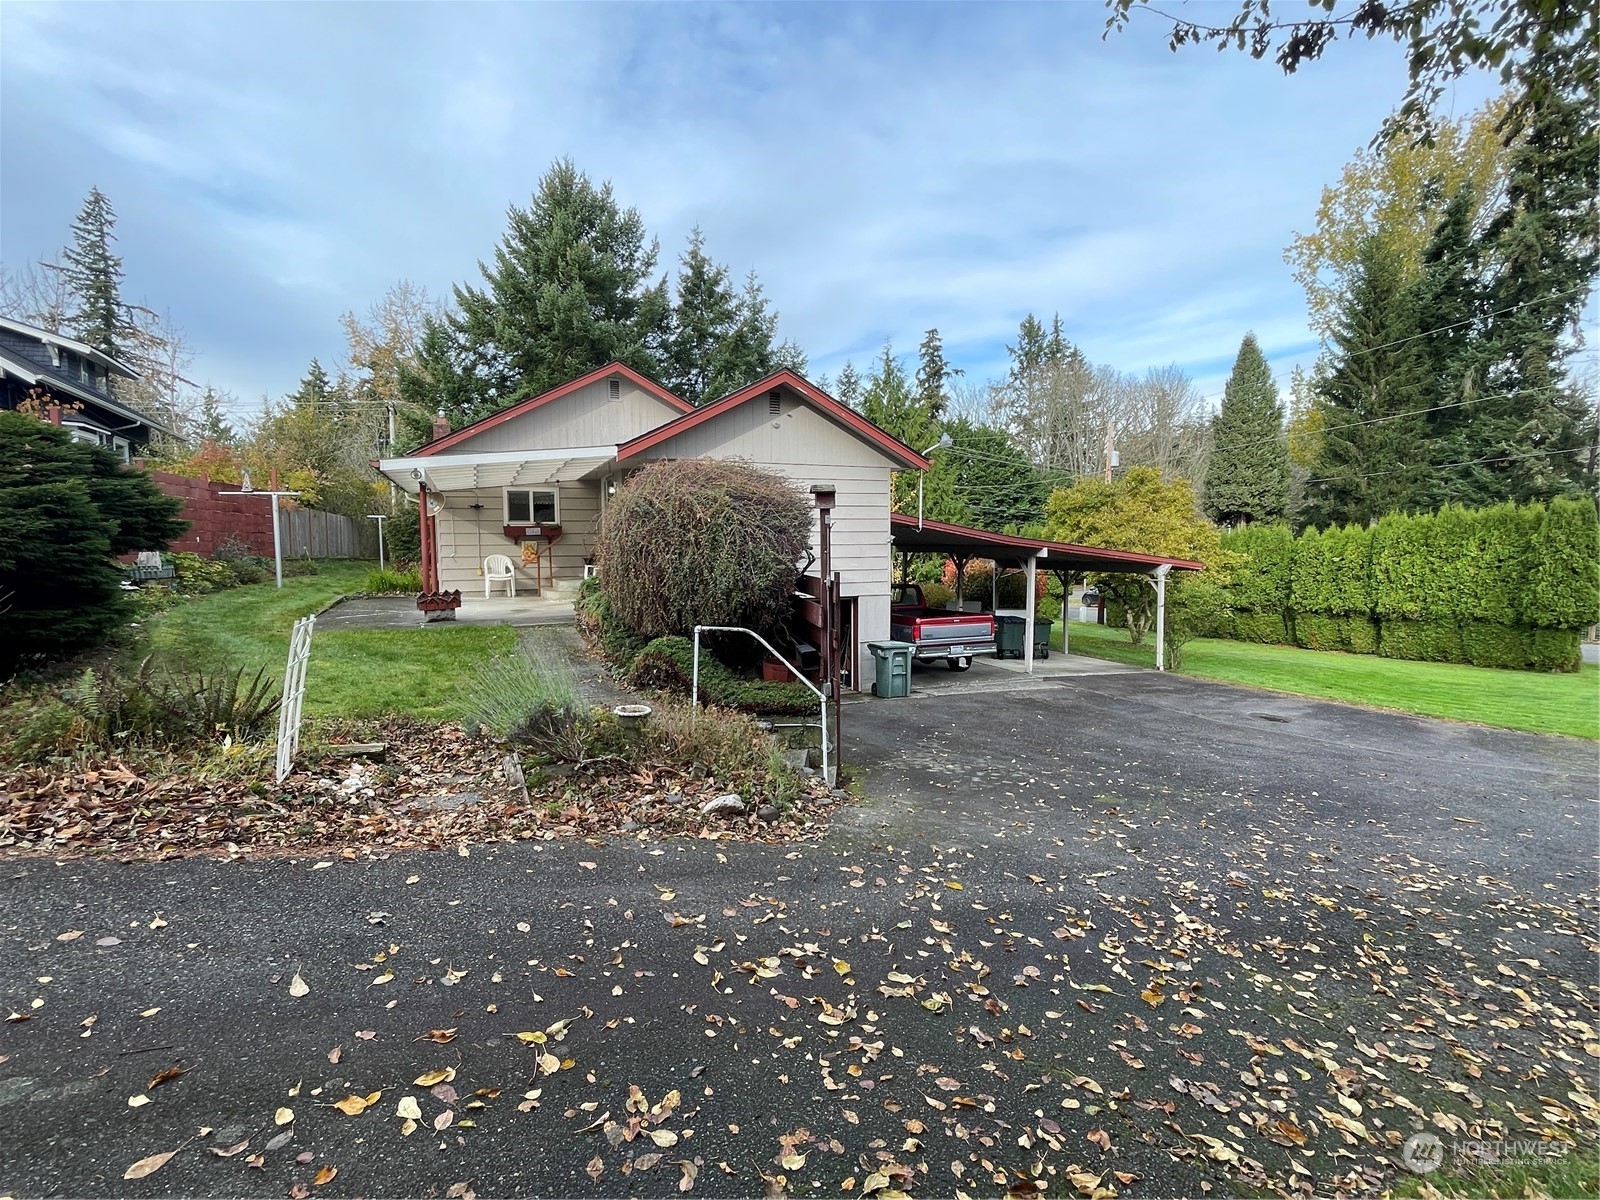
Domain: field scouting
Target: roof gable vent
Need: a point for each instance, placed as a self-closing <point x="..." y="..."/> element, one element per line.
<point x="774" y="402"/>
<point x="615" y="389"/>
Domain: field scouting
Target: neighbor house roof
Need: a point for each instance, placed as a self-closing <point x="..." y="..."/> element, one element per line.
<point x="556" y="393"/>
<point x="842" y="415"/>
<point x="66" y="343"/>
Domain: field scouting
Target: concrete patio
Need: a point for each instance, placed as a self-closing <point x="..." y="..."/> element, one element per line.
<point x="400" y="612"/>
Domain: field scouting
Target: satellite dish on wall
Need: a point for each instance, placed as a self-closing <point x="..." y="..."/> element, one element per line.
<point x="435" y="504"/>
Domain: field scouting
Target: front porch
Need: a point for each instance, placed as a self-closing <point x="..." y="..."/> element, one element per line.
<point x="400" y="612"/>
<point x="538" y="508"/>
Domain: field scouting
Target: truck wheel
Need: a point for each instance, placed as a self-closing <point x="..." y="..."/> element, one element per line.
<point x="958" y="664"/>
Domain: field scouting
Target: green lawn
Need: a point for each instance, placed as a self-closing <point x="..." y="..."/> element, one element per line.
<point x="355" y="673"/>
<point x="1539" y="703"/>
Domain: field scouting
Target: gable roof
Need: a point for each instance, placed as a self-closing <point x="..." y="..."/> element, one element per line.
<point x="644" y="384"/>
<point x="840" y="414"/>
<point x="46" y="338"/>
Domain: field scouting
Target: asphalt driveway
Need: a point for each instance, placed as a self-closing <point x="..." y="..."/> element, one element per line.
<point x="1124" y="934"/>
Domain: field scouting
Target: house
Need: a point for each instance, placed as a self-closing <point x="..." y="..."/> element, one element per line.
<point x="74" y="383"/>
<point x="531" y="481"/>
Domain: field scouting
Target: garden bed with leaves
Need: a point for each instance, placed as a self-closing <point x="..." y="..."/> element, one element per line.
<point x="436" y="786"/>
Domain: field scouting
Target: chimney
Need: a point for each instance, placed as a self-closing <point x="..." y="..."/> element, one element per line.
<point x="54" y="413"/>
<point x="441" y="427"/>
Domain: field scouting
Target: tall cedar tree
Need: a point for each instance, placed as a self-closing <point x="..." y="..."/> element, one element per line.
<point x="891" y="404"/>
<point x="848" y="388"/>
<point x="94" y="274"/>
<point x="568" y="291"/>
<point x="69" y="508"/>
<point x="1368" y="392"/>
<point x="1534" y="426"/>
<point x="1248" y="476"/>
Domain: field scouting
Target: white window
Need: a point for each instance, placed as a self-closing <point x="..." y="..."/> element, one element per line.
<point x="532" y="506"/>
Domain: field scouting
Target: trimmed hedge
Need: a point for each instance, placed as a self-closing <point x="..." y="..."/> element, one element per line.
<point x="1507" y="586"/>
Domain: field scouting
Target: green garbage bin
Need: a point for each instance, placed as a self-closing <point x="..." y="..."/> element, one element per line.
<point x="1008" y="636"/>
<point x="1041" y="637"/>
<point x="892" y="662"/>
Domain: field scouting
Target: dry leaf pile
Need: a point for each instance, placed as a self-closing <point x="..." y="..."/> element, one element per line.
<point x="437" y="787"/>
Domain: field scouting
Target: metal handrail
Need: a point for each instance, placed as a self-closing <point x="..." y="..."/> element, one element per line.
<point x="694" y="687"/>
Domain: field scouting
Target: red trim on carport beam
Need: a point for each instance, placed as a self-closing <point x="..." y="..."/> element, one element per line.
<point x="1012" y="541"/>
<point x="813" y="395"/>
<point x="555" y="393"/>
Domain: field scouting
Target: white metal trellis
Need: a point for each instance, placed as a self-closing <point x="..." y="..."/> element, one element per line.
<point x="294" y="694"/>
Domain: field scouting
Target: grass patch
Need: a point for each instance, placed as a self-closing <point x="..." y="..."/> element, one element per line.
<point x="1576" y="1173"/>
<point x="353" y="673"/>
<point x="1526" y="700"/>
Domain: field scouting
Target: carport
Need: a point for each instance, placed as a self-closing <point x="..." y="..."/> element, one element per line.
<point x="912" y="535"/>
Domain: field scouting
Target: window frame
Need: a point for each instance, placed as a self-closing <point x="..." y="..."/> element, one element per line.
<point x="553" y="491"/>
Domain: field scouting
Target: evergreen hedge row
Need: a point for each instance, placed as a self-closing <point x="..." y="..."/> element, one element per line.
<point x="1510" y="586"/>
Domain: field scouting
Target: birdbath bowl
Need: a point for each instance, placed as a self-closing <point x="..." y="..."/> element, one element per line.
<point x="632" y="716"/>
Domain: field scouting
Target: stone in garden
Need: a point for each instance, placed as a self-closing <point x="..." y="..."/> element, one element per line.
<point x="768" y="813"/>
<point x="732" y="802"/>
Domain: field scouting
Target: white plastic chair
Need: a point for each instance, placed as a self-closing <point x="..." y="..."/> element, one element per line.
<point x="497" y="568"/>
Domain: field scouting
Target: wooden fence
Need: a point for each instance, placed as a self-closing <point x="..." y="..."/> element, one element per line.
<point x="312" y="533"/>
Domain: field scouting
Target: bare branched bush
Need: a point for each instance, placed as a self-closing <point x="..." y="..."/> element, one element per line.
<point x="702" y="542"/>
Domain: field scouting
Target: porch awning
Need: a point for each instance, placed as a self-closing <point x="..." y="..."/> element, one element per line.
<point x="504" y="468"/>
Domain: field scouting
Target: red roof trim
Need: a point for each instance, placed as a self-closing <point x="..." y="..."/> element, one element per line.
<point x="825" y="404"/>
<point x="555" y="393"/>
<point x="1006" y="539"/>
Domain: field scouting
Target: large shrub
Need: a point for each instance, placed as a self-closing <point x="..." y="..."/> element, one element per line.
<point x="702" y="542"/>
<point x="68" y="507"/>
<point x="1564" y="586"/>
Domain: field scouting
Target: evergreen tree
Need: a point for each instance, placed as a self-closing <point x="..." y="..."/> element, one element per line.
<point x="994" y="481"/>
<point x="1248" y="475"/>
<point x="1532" y="424"/>
<point x="934" y="374"/>
<point x="94" y="274"/>
<point x="891" y="404"/>
<point x="1368" y="455"/>
<point x="746" y="353"/>
<point x="213" y="425"/>
<point x="705" y="315"/>
<point x="848" y="390"/>
<point x="567" y="291"/>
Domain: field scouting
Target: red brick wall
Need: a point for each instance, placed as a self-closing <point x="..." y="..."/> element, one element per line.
<point x="214" y="518"/>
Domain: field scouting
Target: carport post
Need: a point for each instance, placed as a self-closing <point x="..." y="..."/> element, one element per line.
<point x="1027" y="637"/>
<point x="1161" y="573"/>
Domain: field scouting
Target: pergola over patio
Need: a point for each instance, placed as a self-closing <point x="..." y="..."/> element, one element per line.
<point x="912" y="535"/>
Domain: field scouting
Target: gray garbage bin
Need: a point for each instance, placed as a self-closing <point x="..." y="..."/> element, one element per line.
<point x="892" y="662"/>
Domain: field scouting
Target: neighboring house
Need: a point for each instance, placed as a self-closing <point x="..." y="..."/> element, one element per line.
<point x="531" y="481"/>
<point x="77" y="378"/>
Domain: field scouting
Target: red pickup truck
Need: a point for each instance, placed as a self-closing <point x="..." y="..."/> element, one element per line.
<point x="937" y="634"/>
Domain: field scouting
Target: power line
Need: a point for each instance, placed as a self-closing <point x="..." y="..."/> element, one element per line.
<point x="1471" y="462"/>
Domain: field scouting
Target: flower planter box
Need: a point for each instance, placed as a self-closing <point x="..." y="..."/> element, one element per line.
<point x="440" y="606"/>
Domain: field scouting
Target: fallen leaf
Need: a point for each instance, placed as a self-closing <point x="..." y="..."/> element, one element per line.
<point x="298" y="986"/>
<point x="138" y="1101"/>
<point x="441" y="1036"/>
<point x="441" y="1075"/>
<point x="280" y="1140"/>
<point x="231" y="1150"/>
<point x="73" y="935"/>
<point x="325" y="1175"/>
<point x="443" y="1120"/>
<point x="596" y="1168"/>
<point x="148" y="1166"/>
<point x="335" y="1054"/>
<point x="164" y="1076"/>
<point x="408" y="1108"/>
<point x="663" y="1137"/>
<point x="353" y="1105"/>
<point x="283" y="1116"/>
<point x="150" y="1012"/>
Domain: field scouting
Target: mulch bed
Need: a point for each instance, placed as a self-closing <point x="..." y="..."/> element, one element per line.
<point x="437" y="786"/>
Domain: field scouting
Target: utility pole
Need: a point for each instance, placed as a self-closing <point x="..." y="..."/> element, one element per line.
<point x="1110" y="436"/>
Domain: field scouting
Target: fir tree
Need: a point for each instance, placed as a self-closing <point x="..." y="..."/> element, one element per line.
<point x="1248" y="475"/>
<point x="212" y="425"/>
<point x="1543" y="244"/>
<point x="94" y="274"/>
<point x="934" y="374"/>
<point x="567" y="291"/>
<point x="848" y="389"/>
<point x="746" y="353"/>
<point x="1369" y="461"/>
<point x="705" y="315"/>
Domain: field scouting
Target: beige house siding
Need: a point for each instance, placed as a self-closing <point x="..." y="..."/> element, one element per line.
<point x="587" y="417"/>
<point x="467" y="537"/>
<point x="810" y="449"/>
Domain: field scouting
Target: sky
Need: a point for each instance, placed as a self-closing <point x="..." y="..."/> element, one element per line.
<point x="884" y="168"/>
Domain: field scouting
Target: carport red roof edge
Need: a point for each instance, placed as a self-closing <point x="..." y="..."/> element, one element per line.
<point x="555" y="393"/>
<point x="892" y="447"/>
<point x="1066" y="549"/>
